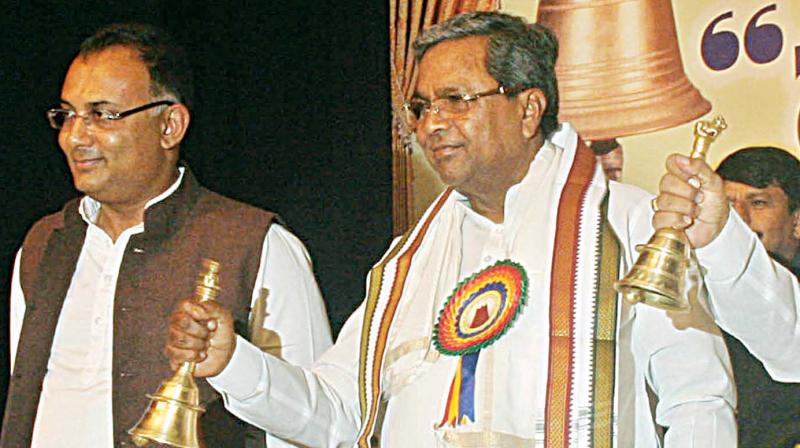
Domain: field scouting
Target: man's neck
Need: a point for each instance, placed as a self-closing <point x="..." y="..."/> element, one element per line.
<point x="490" y="206"/>
<point x="116" y="217"/>
<point x="789" y="260"/>
<point x="489" y="200"/>
<point x="789" y="251"/>
<point x="793" y="262"/>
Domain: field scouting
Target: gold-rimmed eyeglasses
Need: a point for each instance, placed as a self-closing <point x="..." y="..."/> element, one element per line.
<point x="449" y="106"/>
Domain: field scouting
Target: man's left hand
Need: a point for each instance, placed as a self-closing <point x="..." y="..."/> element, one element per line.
<point x="691" y="197"/>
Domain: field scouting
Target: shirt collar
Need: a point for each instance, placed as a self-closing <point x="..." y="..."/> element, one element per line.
<point x="89" y="207"/>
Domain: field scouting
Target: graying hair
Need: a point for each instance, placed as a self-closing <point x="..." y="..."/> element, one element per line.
<point x="518" y="53"/>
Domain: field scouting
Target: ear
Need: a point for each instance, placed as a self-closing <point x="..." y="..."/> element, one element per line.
<point x="174" y="125"/>
<point x="534" y="104"/>
<point x="796" y="223"/>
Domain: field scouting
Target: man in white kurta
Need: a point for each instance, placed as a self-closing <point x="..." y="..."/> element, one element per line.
<point x="669" y="371"/>
<point x="687" y="368"/>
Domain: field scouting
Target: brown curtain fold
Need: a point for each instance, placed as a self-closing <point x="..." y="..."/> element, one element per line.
<point x="407" y="18"/>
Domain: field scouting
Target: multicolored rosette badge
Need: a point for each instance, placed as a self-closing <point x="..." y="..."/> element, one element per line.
<point x="478" y="312"/>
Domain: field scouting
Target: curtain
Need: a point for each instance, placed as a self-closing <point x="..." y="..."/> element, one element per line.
<point x="407" y="18"/>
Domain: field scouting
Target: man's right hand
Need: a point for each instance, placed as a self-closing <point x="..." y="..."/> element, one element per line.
<point x="201" y="333"/>
<point x="691" y="197"/>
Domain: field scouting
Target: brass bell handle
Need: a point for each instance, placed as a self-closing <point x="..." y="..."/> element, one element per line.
<point x="207" y="288"/>
<point x="705" y="132"/>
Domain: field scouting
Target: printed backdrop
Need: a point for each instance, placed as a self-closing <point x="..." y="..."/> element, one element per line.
<point x="743" y="56"/>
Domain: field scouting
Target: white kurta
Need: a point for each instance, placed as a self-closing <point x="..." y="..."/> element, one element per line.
<point x="754" y="298"/>
<point x="686" y="365"/>
<point x="75" y="406"/>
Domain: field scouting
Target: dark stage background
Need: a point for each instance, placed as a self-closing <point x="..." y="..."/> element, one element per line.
<point x="292" y="115"/>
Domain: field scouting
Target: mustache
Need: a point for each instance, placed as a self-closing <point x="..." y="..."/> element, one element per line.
<point x="438" y="141"/>
<point x="85" y="153"/>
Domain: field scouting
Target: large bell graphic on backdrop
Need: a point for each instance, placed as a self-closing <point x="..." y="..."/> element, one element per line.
<point x="619" y="67"/>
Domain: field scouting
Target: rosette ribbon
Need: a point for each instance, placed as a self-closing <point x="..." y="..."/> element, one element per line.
<point x="479" y="312"/>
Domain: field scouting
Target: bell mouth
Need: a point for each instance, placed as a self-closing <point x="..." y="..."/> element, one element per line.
<point x="619" y="67"/>
<point x="634" y="294"/>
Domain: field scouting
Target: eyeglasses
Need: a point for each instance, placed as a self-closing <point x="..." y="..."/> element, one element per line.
<point x="99" y="118"/>
<point x="449" y="106"/>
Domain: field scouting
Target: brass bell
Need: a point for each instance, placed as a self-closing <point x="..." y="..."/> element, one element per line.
<point x="172" y="417"/>
<point x="619" y="67"/>
<point x="658" y="278"/>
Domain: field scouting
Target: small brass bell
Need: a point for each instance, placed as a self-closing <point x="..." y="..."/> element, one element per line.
<point x="658" y="278"/>
<point x="172" y="417"/>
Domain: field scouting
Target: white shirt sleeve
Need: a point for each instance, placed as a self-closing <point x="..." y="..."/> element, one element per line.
<point x="314" y="407"/>
<point x="296" y="314"/>
<point x="754" y="298"/>
<point x="17" y="310"/>
<point x="295" y="309"/>
<point x="687" y="366"/>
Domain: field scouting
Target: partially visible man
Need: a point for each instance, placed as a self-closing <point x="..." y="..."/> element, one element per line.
<point x="94" y="283"/>
<point x="609" y="154"/>
<point x="763" y="186"/>
<point x="493" y="322"/>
